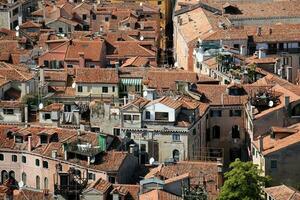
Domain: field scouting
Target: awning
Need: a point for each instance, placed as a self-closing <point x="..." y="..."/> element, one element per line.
<point x="130" y="81"/>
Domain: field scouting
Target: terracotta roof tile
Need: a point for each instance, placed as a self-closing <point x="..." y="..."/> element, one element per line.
<point x="129" y="191"/>
<point x="101" y="185"/>
<point x="159" y="195"/>
<point x="87" y="75"/>
<point x="53" y="107"/>
<point x="56" y="76"/>
<point x="282" y="192"/>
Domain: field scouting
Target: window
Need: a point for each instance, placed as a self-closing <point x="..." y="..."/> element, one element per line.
<point x="69" y="66"/>
<point x="236" y="46"/>
<point x="1" y="156"/>
<point x="161" y="116"/>
<point x="194" y="131"/>
<point x="147" y="115"/>
<point x="19" y="139"/>
<point x="296" y="110"/>
<point x="92" y="66"/>
<point x="37" y="162"/>
<point x="45" y="164"/>
<point x="116" y="132"/>
<point x="94" y="17"/>
<point x="137" y="88"/>
<point x="216" y="132"/>
<point x="44" y="139"/>
<point x="106" y="19"/>
<point x="113" y="88"/>
<point x="273" y="164"/>
<point x="111" y="179"/>
<point x="136" y="117"/>
<point x="4" y="176"/>
<point x="24" y="178"/>
<point x="15" y="11"/>
<point x="23" y="159"/>
<point x="79" y="88"/>
<point x="46" y="63"/>
<point x="127" y="117"/>
<point x="216" y="113"/>
<point x="37" y="182"/>
<point x="92" y="176"/>
<point x="60" y="30"/>
<point x="175" y="137"/>
<point x="14" y="158"/>
<point x="46" y="185"/>
<point x="47" y="116"/>
<point x="253" y="151"/>
<point x="83" y="17"/>
<point x="235" y="131"/>
<point x="8" y="111"/>
<point x="104" y="89"/>
<point x="176" y="155"/>
<point x="235" y="113"/>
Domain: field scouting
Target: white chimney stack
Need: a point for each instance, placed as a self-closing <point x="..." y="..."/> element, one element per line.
<point x="29" y="143"/>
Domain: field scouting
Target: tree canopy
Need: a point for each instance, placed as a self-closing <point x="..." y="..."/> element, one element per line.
<point x="243" y="182"/>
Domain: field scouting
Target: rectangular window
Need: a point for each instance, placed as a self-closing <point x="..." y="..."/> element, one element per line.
<point x="106" y="19"/>
<point x="83" y="17"/>
<point x="1" y="156"/>
<point x="235" y="113"/>
<point x="148" y="115"/>
<point x="47" y="116"/>
<point x="69" y="66"/>
<point x="136" y="117"/>
<point x="273" y="164"/>
<point x="15" y="11"/>
<point x="14" y="158"/>
<point x="216" y="113"/>
<point x="104" y="89"/>
<point x="175" y="137"/>
<point x="45" y="164"/>
<point x="19" y="139"/>
<point x="8" y="111"/>
<point x="46" y="63"/>
<point x="253" y="151"/>
<point x="113" y="88"/>
<point x="127" y="117"/>
<point x="23" y="159"/>
<point x="92" y="176"/>
<point x="37" y="162"/>
<point x="94" y="17"/>
<point x="112" y="179"/>
<point x="79" y="88"/>
<point x="236" y="46"/>
<point x="161" y="116"/>
<point x="60" y="30"/>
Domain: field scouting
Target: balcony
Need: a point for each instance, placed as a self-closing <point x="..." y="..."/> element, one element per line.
<point x="82" y="148"/>
<point x="282" y="50"/>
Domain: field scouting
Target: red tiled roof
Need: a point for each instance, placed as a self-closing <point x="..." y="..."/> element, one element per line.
<point x="92" y="49"/>
<point x="282" y="192"/>
<point x="53" y="107"/>
<point x="101" y="185"/>
<point x="10" y="104"/>
<point x="30" y="24"/>
<point x="129" y="191"/>
<point x="88" y="75"/>
<point x="159" y="195"/>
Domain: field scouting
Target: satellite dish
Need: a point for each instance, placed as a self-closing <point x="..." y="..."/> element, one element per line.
<point x="176" y="64"/>
<point x="21" y="184"/>
<point x="41" y="106"/>
<point x="17" y="28"/>
<point x="73" y="85"/>
<point x="141" y="4"/>
<point x="142" y="38"/>
<point x="151" y="160"/>
<point x="93" y="159"/>
<point x="271" y="104"/>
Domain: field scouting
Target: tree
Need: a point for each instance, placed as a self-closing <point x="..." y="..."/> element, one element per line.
<point x="243" y="182"/>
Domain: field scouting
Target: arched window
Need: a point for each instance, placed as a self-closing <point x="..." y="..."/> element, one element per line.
<point x="216" y="132"/>
<point x="37" y="182"/>
<point x="296" y="110"/>
<point x="4" y="176"/>
<point x="176" y="155"/>
<point x="11" y="174"/>
<point x="46" y="183"/>
<point x="235" y="131"/>
<point x="24" y="178"/>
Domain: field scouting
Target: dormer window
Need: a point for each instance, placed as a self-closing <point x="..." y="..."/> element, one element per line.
<point x="44" y="139"/>
<point x="18" y="139"/>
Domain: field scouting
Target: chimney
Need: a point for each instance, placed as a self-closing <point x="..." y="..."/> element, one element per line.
<point x="258" y="31"/>
<point x="23" y="89"/>
<point x="261" y="53"/>
<point x="26" y="115"/>
<point x="289" y="72"/>
<point x="81" y="59"/>
<point x="220" y="172"/>
<point x="286" y="101"/>
<point x="243" y="50"/>
<point x="29" y="143"/>
<point x="260" y="143"/>
<point x="42" y="76"/>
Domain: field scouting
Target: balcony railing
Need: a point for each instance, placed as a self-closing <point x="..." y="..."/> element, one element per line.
<point x="83" y="148"/>
<point x="288" y="50"/>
